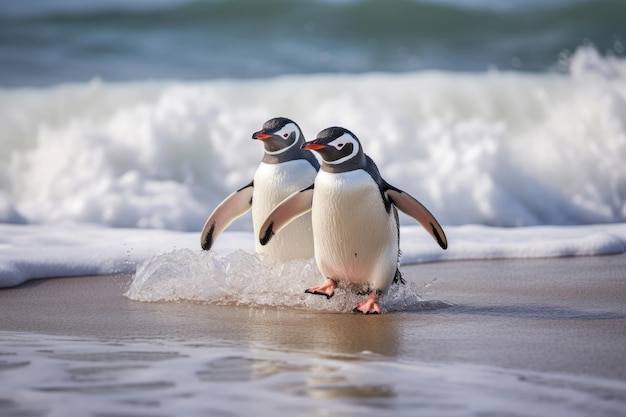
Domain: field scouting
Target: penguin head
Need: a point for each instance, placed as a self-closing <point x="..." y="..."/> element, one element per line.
<point x="338" y="147"/>
<point x="278" y="135"/>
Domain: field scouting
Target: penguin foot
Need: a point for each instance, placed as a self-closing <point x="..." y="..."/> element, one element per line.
<point x="327" y="289"/>
<point x="369" y="305"/>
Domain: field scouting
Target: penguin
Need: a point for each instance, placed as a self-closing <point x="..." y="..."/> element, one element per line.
<point x="284" y="169"/>
<point x="356" y="231"/>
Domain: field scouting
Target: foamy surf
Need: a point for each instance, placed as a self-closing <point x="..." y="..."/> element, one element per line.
<point x="46" y="251"/>
<point x="495" y="148"/>
<point x="489" y="149"/>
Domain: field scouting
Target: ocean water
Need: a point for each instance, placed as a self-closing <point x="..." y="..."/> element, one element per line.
<point x="45" y="42"/>
<point x="516" y="157"/>
<point x="139" y="114"/>
<point x="124" y="123"/>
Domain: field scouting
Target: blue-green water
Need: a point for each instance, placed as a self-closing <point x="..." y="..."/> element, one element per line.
<point x="55" y="41"/>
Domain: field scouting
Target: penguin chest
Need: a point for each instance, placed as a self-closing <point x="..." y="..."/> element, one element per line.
<point x="356" y="238"/>
<point x="272" y="184"/>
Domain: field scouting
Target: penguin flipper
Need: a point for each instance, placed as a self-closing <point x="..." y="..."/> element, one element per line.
<point x="410" y="206"/>
<point x="233" y="206"/>
<point x="288" y="210"/>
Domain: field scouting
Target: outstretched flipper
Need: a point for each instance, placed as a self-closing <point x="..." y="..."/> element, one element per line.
<point x="233" y="206"/>
<point x="410" y="206"/>
<point x="288" y="210"/>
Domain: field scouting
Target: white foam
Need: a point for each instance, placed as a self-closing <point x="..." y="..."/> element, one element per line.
<point x="490" y="149"/>
<point x="503" y="149"/>
<point x="167" y="262"/>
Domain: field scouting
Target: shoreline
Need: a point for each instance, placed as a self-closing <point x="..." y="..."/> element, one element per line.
<point x="563" y="315"/>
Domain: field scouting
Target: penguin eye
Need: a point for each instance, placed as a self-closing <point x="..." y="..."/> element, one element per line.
<point x="285" y="135"/>
<point x="340" y="145"/>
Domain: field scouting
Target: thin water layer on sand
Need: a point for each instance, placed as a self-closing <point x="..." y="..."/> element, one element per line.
<point x="518" y="337"/>
<point x="46" y="375"/>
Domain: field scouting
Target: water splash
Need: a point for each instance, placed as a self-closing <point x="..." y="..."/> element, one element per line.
<point x="242" y="278"/>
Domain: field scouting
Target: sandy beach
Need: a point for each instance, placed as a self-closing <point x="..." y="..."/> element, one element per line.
<point x="551" y="315"/>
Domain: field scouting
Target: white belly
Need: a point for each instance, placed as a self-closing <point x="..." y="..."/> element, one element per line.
<point x="356" y="240"/>
<point x="272" y="184"/>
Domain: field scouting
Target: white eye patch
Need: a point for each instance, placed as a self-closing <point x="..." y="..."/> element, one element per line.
<point x="284" y="133"/>
<point x="340" y="143"/>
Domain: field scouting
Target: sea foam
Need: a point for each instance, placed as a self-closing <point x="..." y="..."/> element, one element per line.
<point x="165" y="260"/>
<point x="494" y="148"/>
<point x="145" y="163"/>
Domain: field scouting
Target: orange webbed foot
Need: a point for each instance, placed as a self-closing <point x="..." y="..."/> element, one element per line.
<point x="327" y="289"/>
<point x="369" y="305"/>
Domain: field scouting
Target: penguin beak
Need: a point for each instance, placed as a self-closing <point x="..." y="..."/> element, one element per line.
<point x="260" y="135"/>
<point x="312" y="146"/>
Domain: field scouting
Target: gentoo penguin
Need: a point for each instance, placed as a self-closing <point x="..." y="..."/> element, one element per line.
<point x="284" y="169"/>
<point x="355" y="221"/>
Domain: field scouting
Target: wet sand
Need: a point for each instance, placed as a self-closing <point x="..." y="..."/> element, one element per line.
<point x="553" y="315"/>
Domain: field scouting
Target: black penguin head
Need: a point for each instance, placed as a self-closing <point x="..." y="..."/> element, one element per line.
<point x="278" y="135"/>
<point x="339" y="148"/>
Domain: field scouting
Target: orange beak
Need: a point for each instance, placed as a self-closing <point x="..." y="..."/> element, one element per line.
<point x="313" y="146"/>
<point x="261" y="136"/>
